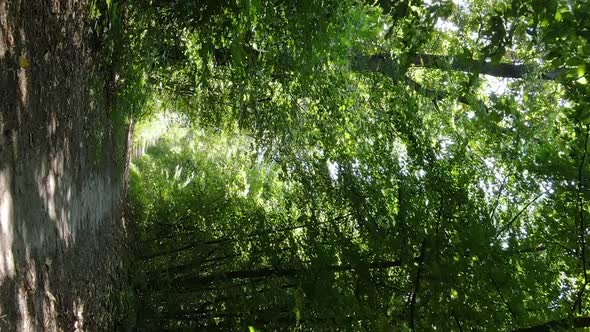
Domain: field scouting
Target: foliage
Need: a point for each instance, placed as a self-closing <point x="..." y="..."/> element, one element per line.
<point x="361" y="166"/>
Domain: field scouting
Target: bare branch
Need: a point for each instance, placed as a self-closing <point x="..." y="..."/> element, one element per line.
<point x="518" y="215"/>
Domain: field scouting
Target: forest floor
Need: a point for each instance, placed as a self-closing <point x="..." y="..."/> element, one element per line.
<point x="62" y="230"/>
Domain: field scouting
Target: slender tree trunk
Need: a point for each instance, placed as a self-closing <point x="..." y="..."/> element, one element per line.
<point x="270" y="272"/>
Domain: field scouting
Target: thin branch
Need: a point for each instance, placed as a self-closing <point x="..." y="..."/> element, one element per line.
<point x="437" y="95"/>
<point x="518" y="215"/>
<point x="501" y="295"/>
<point x="537" y="249"/>
<point x="498" y="197"/>
<point x="457" y="321"/>
<point x="273" y="272"/>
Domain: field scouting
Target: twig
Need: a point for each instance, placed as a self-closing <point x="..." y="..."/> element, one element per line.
<point x="498" y="198"/>
<point x="500" y="294"/>
<point x="518" y="215"/>
<point x="457" y="321"/>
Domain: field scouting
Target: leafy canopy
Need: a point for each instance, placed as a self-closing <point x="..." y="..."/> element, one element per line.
<point x="361" y="166"/>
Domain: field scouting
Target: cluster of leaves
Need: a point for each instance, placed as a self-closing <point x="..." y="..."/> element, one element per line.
<point x="212" y="214"/>
<point x="357" y="171"/>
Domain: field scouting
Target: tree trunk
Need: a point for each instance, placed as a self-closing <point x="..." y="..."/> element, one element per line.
<point x="270" y="272"/>
<point x="384" y="64"/>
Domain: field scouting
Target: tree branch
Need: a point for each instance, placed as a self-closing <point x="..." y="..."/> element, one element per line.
<point x="576" y="322"/>
<point x="518" y="215"/>
<point x="457" y="321"/>
<point x="437" y="95"/>
<point x="499" y="291"/>
<point x="498" y="199"/>
<point x="270" y="272"/>
<point x="386" y="65"/>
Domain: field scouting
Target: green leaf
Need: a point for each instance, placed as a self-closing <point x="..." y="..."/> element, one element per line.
<point x="297" y="313"/>
<point x="581" y="70"/>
